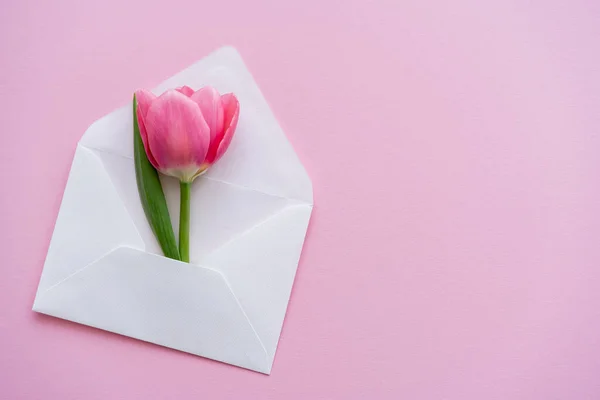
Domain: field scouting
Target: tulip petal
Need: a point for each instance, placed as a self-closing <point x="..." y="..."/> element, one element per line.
<point x="188" y="91"/>
<point x="144" y="99"/>
<point x="209" y="101"/>
<point x="178" y="135"/>
<point x="231" y="107"/>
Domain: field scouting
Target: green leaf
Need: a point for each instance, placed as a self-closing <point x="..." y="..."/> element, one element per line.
<point x="152" y="195"/>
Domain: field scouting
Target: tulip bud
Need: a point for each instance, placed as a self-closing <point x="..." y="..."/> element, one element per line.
<point x="184" y="132"/>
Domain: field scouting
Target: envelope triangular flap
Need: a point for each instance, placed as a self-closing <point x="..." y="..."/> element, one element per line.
<point x="178" y="305"/>
<point x="259" y="157"/>
<point x="92" y="221"/>
<point x="263" y="281"/>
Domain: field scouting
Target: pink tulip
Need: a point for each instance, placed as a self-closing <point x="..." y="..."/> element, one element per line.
<point x="185" y="131"/>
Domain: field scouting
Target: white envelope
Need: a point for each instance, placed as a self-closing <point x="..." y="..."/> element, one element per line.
<point x="249" y="217"/>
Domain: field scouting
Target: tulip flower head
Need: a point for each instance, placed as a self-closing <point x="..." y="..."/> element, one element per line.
<point x="185" y="131"/>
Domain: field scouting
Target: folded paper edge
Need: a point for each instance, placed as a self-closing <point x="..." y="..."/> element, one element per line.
<point x="263" y="366"/>
<point x="246" y="233"/>
<point x="39" y="296"/>
<point x="83" y="152"/>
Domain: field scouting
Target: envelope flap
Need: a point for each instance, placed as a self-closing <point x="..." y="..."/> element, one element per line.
<point x="112" y="133"/>
<point x="259" y="158"/>
<point x="92" y="221"/>
<point x="158" y="300"/>
<point x="260" y="265"/>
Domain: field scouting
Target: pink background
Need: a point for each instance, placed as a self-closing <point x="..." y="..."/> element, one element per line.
<point x="454" y="148"/>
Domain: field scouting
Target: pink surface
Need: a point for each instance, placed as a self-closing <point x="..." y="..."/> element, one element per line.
<point x="454" y="150"/>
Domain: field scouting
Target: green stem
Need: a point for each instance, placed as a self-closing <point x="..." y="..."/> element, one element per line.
<point x="184" y="221"/>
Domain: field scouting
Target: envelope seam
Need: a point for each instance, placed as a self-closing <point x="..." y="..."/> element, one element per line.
<point x="78" y="271"/>
<point x="270" y="217"/>
<point x="270" y="356"/>
<point x="228" y="285"/>
<point x="239" y="304"/>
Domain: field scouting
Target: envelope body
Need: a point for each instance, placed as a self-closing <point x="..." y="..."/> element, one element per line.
<point x="249" y="217"/>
